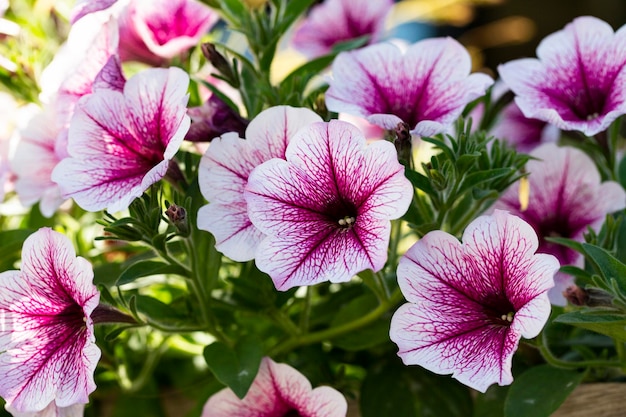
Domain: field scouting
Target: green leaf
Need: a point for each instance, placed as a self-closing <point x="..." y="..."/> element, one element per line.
<point x="419" y="181"/>
<point x="293" y="10"/>
<point x="235" y="368"/>
<point x="476" y="179"/>
<point x="607" y="323"/>
<point x="372" y="335"/>
<point x="539" y="391"/>
<point x="235" y="9"/>
<point x="11" y="241"/>
<point x="147" y="268"/>
<point x="306" y="71"/>
<point x="609" y="266"/>
<point x="568" y="243"/>
<point x="385" y="392"/>
<point x="156" y="310"/>
<point x="491" y="403"/>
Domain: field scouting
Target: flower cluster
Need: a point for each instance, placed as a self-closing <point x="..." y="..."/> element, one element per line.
<point x="165" y="195"/>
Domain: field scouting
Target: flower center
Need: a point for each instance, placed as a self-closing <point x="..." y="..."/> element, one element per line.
<point x="508" y="316"/>
<point x="498" y="309"/>
<point x="291" y="413"/>
<point x="347" y="222"/>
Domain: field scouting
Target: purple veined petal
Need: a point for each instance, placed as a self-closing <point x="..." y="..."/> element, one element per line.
<point x="566" y="197"/>
<point x="426" y="87"/>
<point x="46" y="333"/>
<point x="110" y="76"/>
<point x="90" y="44"/>
<point x="156" y="31"/>
<point x="337" y="21"/>
<point x="85" y="7"/>
<point x="573" y="83"/>
<point x="277" y="390"/>
<point x="121" y="143"/>
<point x="326" y="209"/>
<point x="35" y="158"/>
<point x="52" y="410"/>
<point x="471" y="302"/>
<point x="224" y="171"/>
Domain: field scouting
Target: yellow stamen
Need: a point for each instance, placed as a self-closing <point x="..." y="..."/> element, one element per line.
<point x="523" y="193"/>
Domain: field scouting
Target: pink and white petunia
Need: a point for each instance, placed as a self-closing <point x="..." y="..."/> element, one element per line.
<point x="576" y="82"/>
<point x="120" y="143"/>
<point x="224" y="171"/>
<point x="566" y="197"/>
<point x="326" y="209"/>
<point x="41" y="146"/>
<point x="336" y="21"/>
<point x="427" y="86"/>
<point x="155" y="31"/>
<point x="47" y="346"/>
<point x="470" y="303"/>
<point x="278" y="390"/>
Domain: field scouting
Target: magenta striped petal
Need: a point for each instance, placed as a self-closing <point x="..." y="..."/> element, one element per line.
<point x="576" y="82"/>
<point x="121" y="143"/>
<point x="566" y="197"/>
<point x="336" y="21"/>
<point x="47" y="346"/>
<point x="427" y="86"/>
<point x="224" y="171"/>
<point x="278" y="390"/>
<point x="471" y="302"/>
<point x="326" y="208"/>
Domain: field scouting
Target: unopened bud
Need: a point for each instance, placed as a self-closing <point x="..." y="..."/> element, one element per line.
<point x="178" y="217"/>
<point x="576" y="295"/>
<point x="219" y="62"/>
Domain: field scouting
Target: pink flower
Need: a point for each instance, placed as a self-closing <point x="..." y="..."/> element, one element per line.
<point x="336" y="21"/>
<point x="155" y="31"/>
<point x="41" y="146"/>
<point x="47" y="345"/>
<point x="224" y="171"/>
<point x="278" y="390"/>
<point x="576" y="84"/>
<point x="566" y="197"/>
<point x="326" y="209"/>
<point x="120" y="143"/>
<point x="427" y="86"/>
<point x="470" y="303"/>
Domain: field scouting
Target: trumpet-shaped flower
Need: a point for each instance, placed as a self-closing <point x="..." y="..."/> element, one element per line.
<point x="470" y="303"/>
<point x="566" y="197"/>
<point x="576" y="82"/>
<point x="336" y="21"/>
<point x="47" y="345"/>
<point x="326" y="209"/>
<point x="427" y="86"/>
<point x="277" y="391"/>
<point x="120" y="143"/>
<point x="154" y="31"/>
<point x="224" y="171"/>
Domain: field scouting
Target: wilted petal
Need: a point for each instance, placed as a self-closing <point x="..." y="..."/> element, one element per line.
<point x="48" y="352"/>
<point x="121" y="143"/>
<point x="427" y="86"/>
<point x="575" y="82"/>
<point x="278" y="390"/>
<point x="336" y="21"/>
<point x="326" y="209"/>
<point x="566" y="197"/>
<point x="471" y="302"/>
<point x="224" y="171"/>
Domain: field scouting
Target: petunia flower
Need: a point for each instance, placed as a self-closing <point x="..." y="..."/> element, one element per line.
<point x="470" y="303"/>
<point x="326" y="209"/>
<point x="41" y="146"/>
<point x="336" y="21"/>
<point x="427" y="86"/>
<point x="47" y="345"/>
<point x="278" y="390"/>
<point x="224" y="171"/>
<point x="155" y="31"/>
<point x="120" y="143"/>
<point x="576" y="82"/>
<point x="566" y="197"/>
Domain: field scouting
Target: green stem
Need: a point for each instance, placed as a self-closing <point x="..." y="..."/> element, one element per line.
<point x="333" y="332"/>
<point x="306" y="310"/>
<point x="284" y="321"/>
<point x="549" y="357"/>
<point x="148" y="368"/>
